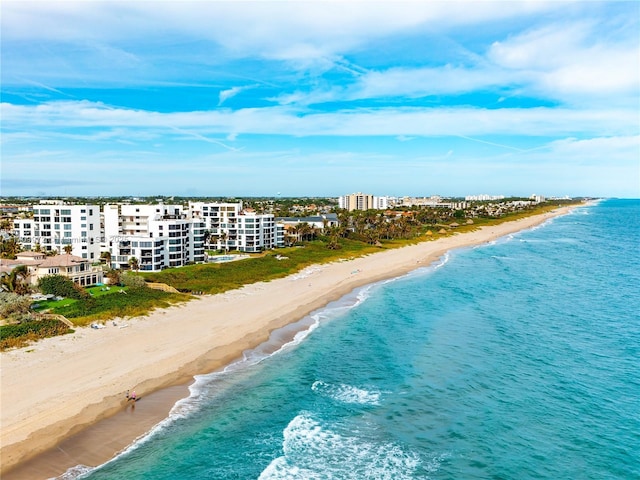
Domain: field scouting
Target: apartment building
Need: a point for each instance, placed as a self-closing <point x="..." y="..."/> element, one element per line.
<point x="152" y="237"/>
<point x="55" y="225"/>
<point x="232" y="227"/>
<point x="356" y="201"/>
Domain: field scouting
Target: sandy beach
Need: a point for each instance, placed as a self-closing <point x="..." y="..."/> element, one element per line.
<point x="60" y="388"/>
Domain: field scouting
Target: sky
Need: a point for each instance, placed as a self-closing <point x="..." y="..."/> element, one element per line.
<point x="322" y="98"/>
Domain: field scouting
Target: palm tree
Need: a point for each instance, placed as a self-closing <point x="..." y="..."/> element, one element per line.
<point x="68" y="249"/>
<point x="106" y="256"/>
<point x="223" y="239"/>
<point x="304" y="230"/>
<point x="6" y="224"/>
<point x="134" y="264"/>
<point x="16" y="280"/>
<point x="9" y="248"/>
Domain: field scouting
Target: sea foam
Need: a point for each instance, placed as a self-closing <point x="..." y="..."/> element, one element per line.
<point x="312" y="451"/>
<point x="347" y="393"/>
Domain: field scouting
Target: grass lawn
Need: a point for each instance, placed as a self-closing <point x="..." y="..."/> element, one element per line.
<point x="41" y="306"/>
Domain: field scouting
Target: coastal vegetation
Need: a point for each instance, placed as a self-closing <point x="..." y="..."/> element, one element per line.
<point x="118" y="303"/>
<point x="21" y="334"/>
<point x="21" y="325"/>
<point x="358" y="233"/>
<point x="25" y="321"/>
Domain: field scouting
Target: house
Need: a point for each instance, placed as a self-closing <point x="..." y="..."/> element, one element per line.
<point x="78" y="269"/>
<point x="288" y="226"/>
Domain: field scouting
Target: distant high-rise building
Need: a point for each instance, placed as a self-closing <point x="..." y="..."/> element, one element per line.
<point x="356" y="201"/>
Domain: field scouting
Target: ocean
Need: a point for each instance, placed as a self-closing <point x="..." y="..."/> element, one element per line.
<point x="518" y="359"/>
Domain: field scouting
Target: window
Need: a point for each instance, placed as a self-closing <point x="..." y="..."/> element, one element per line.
<point x="67" y="226"/>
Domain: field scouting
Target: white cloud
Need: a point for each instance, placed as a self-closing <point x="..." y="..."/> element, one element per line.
<point x="601" y="150"/>
<point x="419" y="82"/>
<point x="283" y="30"/>
<point x="231" y="92"/>
<point x="296" y="122"/>
<point x="575" y="61"/>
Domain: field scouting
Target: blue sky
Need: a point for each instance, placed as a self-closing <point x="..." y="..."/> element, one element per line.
<point x="320" y="98"/>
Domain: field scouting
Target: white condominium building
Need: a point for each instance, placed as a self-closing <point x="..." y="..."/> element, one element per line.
<point x="55" y="225"/>
<point x="152" y="237"/>
<point x="231" y="227"/>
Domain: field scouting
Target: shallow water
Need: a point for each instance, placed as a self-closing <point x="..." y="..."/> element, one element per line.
<point x="518" y="359"/>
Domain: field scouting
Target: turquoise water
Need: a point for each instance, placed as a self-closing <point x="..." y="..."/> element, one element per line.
<point x="514" y="360"/>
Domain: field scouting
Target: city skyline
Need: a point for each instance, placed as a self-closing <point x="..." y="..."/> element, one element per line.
<point x="320" y="98"/>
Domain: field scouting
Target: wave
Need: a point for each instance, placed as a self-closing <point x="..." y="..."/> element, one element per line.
<point x="75" y="472"/>
<point x="313" y="451"/>
<point x="346" y="393"/>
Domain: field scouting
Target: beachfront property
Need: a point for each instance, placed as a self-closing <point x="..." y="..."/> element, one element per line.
<point x="152" y="237"/>
<point x="39" y="265"/>
<point x="232" y="227"/>
<point x="56" y="225"/>
<point x="288" y="226"/>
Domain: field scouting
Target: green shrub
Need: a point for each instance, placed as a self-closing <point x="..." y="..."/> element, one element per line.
<point x="61" y="286"/>
<point x="15" y="336"/>
<point x="132" y="280"/>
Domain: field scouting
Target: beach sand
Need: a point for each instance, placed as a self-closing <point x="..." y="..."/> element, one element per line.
<point x="63" y="399"/>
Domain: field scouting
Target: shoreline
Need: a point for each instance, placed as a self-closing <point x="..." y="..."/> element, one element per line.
<point x="75" y="385"/>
